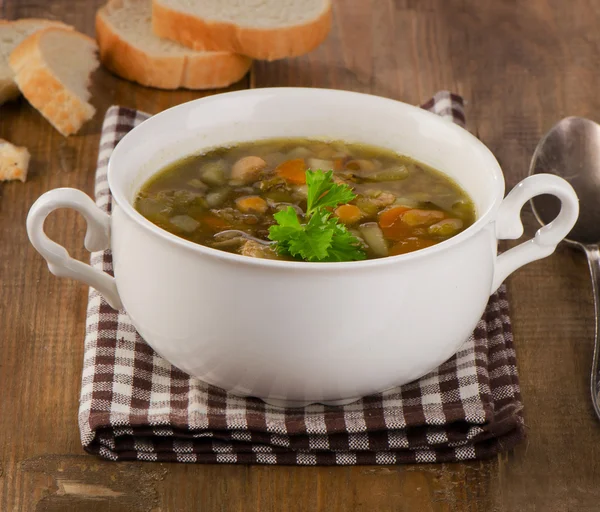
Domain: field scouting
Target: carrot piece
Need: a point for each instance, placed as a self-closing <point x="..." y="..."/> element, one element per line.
<point x="213" y="222"/>
<point x="348" y="213"/>
<point x="398" y="231"/>
<point x="251" y="204"/>
<point x="293" y="171"/>
<point x="338" y="164"/>
<point x="389" y="217"/>
<point x="390" y="222"/>
<point x="410" y="245"/>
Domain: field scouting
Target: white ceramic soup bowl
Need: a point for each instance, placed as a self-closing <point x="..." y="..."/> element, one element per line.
<point x="293" y="333"/>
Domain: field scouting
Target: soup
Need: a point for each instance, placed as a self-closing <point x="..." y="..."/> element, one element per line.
<point x="300" y="199"/>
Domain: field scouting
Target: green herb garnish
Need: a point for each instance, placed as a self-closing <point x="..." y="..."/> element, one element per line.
<point x="322" y="237"/>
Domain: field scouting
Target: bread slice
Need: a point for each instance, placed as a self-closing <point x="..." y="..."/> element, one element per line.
<point x="14" y="161"/>
<point x="130" y="49"/>
<point x="52" y="69"/>
<point x="269" y="29"/>
<point x="11" y="35"/>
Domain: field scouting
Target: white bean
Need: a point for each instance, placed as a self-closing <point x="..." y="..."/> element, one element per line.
<point x="247" y="169"/>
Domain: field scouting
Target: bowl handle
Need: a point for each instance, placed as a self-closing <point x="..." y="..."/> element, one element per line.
<point x="97" y="238"/>
<point x="509" y="226"/>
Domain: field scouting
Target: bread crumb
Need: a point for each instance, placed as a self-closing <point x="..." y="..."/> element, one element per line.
<point x="14" y="161"/>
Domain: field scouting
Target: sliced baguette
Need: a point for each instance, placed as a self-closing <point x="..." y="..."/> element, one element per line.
<point x="270" y="29"/>
<point x="130" y="49"/>
<point x="52" y="69"/>
<point x="14" y="161"/>
<point x="12" y="33"/>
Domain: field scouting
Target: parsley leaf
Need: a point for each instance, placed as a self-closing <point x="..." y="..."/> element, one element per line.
<point x="307" y="241"/>
<point x="323" y="191"/>
<point x="344" y="245"/>
<point x="287" y="225"/>
<point x="322" y="237"/>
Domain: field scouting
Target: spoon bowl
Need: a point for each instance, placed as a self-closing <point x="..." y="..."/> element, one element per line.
<point x="571" y="150"/>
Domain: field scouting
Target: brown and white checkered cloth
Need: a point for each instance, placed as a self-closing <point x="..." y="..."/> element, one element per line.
<point x="136" y="406"/>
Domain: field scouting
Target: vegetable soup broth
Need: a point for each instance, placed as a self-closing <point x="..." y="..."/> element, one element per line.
<point x="227" y="198"/>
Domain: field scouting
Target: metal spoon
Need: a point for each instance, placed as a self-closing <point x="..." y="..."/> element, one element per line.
<point x="571" y="149"/>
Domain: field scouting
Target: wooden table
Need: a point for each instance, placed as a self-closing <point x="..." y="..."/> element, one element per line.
<point x="521" y="65"/>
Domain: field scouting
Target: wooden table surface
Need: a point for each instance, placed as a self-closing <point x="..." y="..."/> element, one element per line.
<point x="521" y="65"/>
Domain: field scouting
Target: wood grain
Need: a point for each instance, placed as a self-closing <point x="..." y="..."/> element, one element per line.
<point x="522" y="66"/>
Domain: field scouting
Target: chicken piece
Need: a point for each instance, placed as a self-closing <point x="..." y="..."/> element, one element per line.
<point x="384" y="199"/>
<point x="374" y="201"/>
<point x="257" y="250"/>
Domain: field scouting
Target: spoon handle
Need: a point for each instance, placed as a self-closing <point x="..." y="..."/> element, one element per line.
<point x="593" y="255"/>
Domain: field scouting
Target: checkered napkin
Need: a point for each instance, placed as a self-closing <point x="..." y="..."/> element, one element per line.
<point x="136" y="406"/>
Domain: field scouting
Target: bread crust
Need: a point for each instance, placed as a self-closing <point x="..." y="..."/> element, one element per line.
<point x="60" y="106"/>
<point x="41" y="21"/>
<point x="257" y="43"/>
<point x="8" y="88"/>
<point x="206" y="70"/>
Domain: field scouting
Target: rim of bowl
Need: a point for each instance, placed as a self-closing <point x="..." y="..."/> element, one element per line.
<point x="168" y="237"/>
